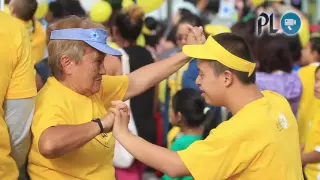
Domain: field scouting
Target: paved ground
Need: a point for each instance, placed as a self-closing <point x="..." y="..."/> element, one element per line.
<point x="149" y="176"/>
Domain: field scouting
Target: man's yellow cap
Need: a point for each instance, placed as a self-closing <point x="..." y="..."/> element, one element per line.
<point x="212" y="50"/>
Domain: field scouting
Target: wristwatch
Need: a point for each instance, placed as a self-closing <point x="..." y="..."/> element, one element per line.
<point x="98" y="121"/>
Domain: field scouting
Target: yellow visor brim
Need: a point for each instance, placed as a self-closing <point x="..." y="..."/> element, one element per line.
<point x="212" y="50"/>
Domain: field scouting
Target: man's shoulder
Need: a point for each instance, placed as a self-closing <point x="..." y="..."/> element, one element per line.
<point x="276" y="99"/>
<point x="265" y="112"/>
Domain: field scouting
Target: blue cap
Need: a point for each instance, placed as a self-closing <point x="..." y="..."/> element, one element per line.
<point x="96" y="38"/>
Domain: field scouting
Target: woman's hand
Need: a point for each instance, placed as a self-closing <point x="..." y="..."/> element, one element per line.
<point x="195" y="35"/>
<point x="122" y="117"/>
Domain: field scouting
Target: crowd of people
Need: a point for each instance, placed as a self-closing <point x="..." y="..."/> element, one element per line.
<point x="184" y="98"/>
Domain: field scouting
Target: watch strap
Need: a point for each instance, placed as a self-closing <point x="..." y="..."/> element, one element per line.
<point x="98" y="121"/>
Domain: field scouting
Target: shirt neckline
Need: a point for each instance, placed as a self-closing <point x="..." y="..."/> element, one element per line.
<point x="52" y="81"/>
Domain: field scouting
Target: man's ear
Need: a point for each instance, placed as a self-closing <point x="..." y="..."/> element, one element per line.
<point x="227" y="78"/>
<point x="66" y="64"/>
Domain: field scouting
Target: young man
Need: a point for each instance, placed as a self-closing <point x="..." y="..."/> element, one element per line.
<point x="259" y="142"/>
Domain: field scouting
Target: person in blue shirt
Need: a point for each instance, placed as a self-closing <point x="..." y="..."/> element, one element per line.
<point x="190" y="75"/>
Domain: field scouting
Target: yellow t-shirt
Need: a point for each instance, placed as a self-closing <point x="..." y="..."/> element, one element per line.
<point x="260" y="142"/>
<point x="58" y="105"/>
<point x="307" y="76"/>
<point x="312" y="171"/>
<point x="16" y="81"/>
<point x="38" y="39"/>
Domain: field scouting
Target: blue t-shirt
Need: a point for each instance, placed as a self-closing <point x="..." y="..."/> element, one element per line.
<point x="296" y="67"/>
<point x="43" y="69"/>
<point x="190" y="75"/>
<point x="183" y="141"/>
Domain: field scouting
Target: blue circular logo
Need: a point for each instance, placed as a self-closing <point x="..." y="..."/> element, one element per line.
<point x="290" y="23"/>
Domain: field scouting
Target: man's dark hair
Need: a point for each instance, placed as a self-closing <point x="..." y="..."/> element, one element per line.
<point x="129" y="23"/>
<point x="191" y="19"/>
<point x="273" y="54"/>
<point x="25" y="9"/>
<point x="237" y="46"/>
<point x="63" y="8"/>
<point x="246" y="30"/>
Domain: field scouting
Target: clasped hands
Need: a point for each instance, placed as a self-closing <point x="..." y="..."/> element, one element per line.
<point x="117" y="118"/>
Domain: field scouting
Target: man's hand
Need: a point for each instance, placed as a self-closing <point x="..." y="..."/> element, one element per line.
<point x="195" y="35"/>
<point x="122" y="117"/>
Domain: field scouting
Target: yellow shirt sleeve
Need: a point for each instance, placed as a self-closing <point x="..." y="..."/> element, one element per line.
<point x="22" y="84"/>
<point x="114" y="88"/>
<point x="222" y="153"/>
<point x="45" y="117"/>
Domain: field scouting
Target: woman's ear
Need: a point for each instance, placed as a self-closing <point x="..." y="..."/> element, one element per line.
<point x="66" y="64"/>
<point x="228" y="78"/>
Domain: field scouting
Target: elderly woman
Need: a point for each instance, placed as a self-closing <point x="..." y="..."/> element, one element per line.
<point x="71" y="130"/>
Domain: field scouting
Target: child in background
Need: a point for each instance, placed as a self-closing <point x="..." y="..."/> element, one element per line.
<point x="187" y="114"/>
<point x="24" y="12"/>
<point x="311" y="59"/>
<point x="311" y="153"/>
<point x="175" y="81"/>
<point x="275" y="71"/>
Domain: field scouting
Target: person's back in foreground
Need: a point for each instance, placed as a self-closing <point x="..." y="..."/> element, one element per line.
<point x="17" y="91"/>
<point x="259" y="142"/>
<point x="275" y="70"/>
